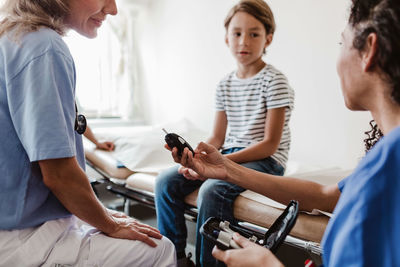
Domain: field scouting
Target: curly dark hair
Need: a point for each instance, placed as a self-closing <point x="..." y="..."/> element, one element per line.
<point x="373" y="136"/>
<point x="381" y="17"/>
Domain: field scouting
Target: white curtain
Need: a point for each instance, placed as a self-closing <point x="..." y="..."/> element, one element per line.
<point x="107" y="67"/>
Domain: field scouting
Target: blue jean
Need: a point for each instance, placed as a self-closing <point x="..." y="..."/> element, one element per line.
<point x="215" y="199"/>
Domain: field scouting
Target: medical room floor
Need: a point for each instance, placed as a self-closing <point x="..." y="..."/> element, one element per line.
<point x="289" y="255"/>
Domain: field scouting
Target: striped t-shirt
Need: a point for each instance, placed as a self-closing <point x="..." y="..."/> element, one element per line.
<point x="246" y="103"/>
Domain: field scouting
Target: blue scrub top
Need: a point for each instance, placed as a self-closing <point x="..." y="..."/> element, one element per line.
<point x="365" y="227"/>
<point x="37" y="115"/>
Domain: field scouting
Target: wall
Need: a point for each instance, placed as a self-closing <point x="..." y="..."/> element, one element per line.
<point x="183" y="55"/>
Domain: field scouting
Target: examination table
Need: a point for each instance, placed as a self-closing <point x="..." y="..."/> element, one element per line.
<point x="250" y="207"/>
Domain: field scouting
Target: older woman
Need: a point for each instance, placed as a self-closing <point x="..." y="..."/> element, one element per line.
<point x="43" y="183"/>
<point x="364" y="229"/>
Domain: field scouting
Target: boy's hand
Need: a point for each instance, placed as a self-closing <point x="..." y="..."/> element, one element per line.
<point x="109" y="146"/>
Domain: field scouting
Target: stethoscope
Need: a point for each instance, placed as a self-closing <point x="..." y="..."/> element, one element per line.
<point x="80" y="122"/>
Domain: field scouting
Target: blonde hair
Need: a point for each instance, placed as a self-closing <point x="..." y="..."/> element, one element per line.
<point x="258" y="9"/>
<point x="25" y="16"/>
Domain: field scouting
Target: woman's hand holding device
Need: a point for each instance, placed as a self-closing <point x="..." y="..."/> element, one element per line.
<point x="206" y="161"/>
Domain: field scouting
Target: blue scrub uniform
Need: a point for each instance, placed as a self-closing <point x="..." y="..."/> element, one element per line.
<point x="37" y="115"/>
<point x="365" y="227"/>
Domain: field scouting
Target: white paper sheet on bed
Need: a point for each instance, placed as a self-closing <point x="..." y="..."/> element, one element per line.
<point x="141" y="149"/>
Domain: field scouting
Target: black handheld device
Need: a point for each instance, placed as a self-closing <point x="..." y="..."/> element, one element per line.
<point x="174" y="140"/>
<point x="278" y="231"/>
<point x="221" y="232"/>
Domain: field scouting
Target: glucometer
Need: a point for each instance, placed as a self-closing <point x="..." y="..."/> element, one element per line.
<point x="221" y="232"/>
<point x="174" y="140"/>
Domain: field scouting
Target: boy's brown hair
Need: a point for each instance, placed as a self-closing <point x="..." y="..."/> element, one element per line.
<point x="258" y="9"/>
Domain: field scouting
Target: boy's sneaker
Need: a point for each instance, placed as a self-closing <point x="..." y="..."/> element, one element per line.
<point x="186" y="261"/>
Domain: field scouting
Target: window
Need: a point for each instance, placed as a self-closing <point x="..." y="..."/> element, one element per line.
<point x="105" y="68"/>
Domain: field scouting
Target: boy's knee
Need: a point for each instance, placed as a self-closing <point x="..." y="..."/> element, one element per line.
<point x="208" y="192"/>
<point x="163" y="182"/>
<point x="159" y="184"/>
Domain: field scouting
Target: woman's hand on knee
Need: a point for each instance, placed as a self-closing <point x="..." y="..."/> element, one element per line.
<point x="129" y="228"/>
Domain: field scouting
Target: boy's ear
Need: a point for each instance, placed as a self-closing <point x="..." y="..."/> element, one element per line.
<point x="369" y="53"/>
<point x="268" y="41"/>
<point x="226" y="39"/>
